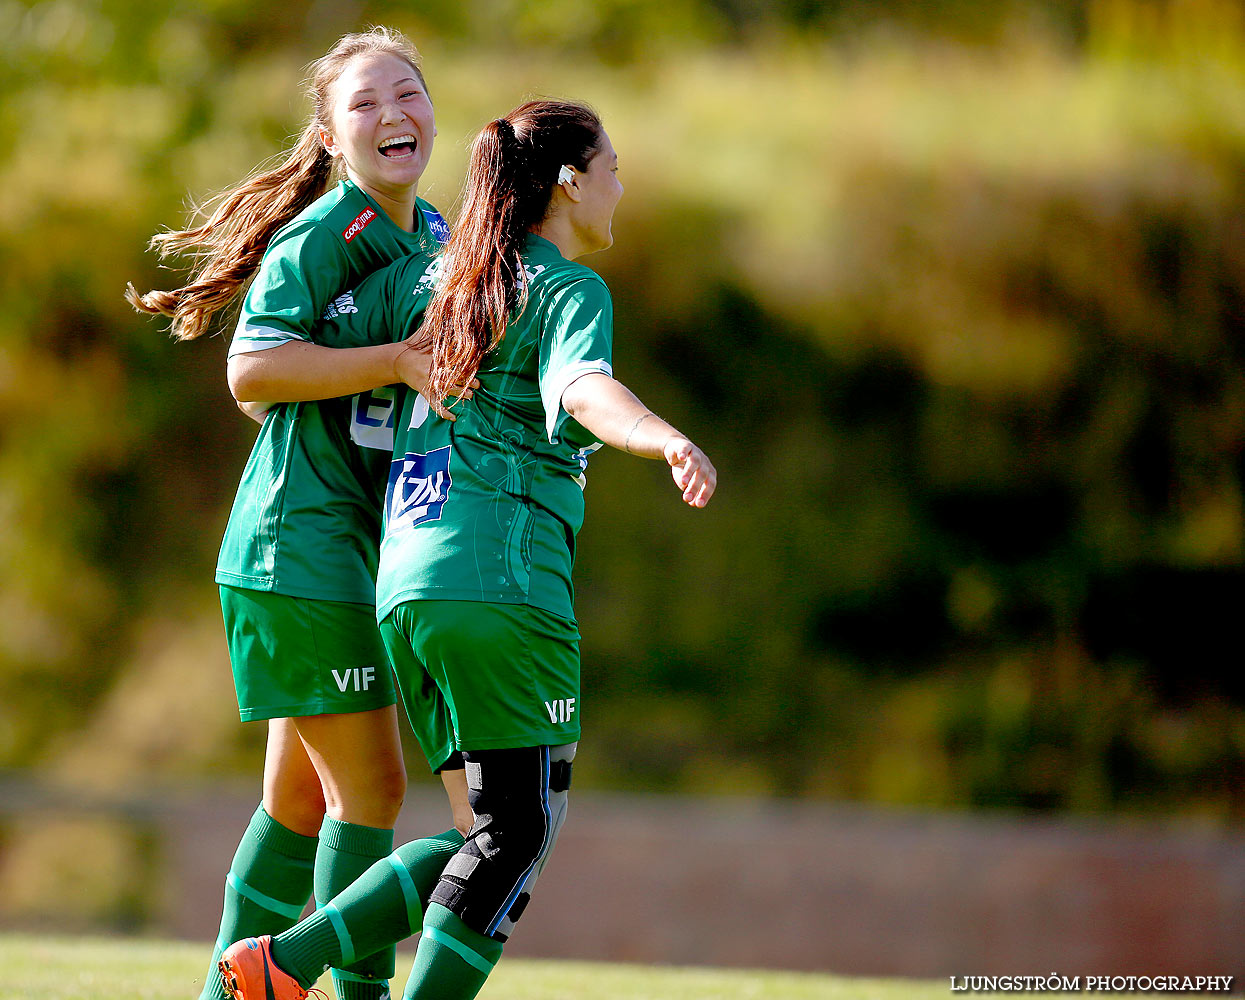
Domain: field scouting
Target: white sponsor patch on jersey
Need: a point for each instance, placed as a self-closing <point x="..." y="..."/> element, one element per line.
<point x="372" y="415"/>
<point x="419" y="412"/>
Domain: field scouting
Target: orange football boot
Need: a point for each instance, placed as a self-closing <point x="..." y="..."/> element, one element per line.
<point x="247" y="972"/>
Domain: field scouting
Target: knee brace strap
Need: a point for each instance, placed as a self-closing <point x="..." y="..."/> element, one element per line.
<point x="559" y="775"/>
<point x="519" y="800"/>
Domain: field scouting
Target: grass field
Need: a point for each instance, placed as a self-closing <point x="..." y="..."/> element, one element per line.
<point x="66" y="968"/>
<point x="49" y="968"/>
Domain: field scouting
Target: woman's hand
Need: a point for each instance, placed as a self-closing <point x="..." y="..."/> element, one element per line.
<point x="693" y="473"/>
<point x="414" y="367"/>
<point x="616" y="416"/>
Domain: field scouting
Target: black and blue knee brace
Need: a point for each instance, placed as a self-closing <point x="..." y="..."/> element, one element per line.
<point x="518" y="797"/>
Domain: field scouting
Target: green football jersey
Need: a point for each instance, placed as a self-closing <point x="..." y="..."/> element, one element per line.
<point x="306" y="517"/>
<point x="486" y="508"/>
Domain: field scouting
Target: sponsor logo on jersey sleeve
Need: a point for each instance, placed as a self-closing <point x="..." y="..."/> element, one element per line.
<point x="431" y="276"/>
<point x="341" y="306"/>
<point x="359" y="224"/>
<point x="419" y="486"/>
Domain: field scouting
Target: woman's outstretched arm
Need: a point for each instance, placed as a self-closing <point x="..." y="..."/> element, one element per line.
<point x="616" y="416"/>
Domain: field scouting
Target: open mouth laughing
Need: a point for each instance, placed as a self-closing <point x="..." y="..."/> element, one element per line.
<point x="399" y="147"/>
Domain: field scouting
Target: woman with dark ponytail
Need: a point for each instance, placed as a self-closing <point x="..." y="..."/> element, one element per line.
<point x="297" y="565"/>
<point x="474" y="588"/>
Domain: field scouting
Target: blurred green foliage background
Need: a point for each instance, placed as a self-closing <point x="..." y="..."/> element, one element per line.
<point x="954" y="294"/>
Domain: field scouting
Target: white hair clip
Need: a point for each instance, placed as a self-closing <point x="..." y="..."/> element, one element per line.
<point x="566" y="175"/>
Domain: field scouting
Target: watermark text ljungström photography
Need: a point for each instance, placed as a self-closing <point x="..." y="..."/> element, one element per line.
<point x="1057" y="983"/>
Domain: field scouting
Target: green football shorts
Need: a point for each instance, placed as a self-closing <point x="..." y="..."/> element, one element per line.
<point x="479" y="676"/>
<point x="293" y="657"/>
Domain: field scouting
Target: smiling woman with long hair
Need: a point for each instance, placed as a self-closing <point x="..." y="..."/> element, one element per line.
<point x="297" y="565"/>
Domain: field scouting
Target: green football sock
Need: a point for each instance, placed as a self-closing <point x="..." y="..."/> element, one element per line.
<point x="453" y="961"/>
<point x="268" y="884"/>
<point x="384" y="905"/>
<point x="346" y="851"/>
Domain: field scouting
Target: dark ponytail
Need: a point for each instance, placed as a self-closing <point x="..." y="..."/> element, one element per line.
<point x="510" y="179"/>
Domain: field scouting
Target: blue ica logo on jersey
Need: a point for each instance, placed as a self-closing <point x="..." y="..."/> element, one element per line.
<point x="419" y="485"/>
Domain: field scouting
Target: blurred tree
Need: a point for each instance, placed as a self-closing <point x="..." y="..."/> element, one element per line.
<point x="954" y="299"/>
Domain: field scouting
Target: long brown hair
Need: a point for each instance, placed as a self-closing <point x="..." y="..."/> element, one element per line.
<point x="510" y="179"/>
<point x="229" y="244"/>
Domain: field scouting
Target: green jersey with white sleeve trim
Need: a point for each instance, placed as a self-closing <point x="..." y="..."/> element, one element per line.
<point x="486" y="508"/>
<point x="306" y="518"/>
